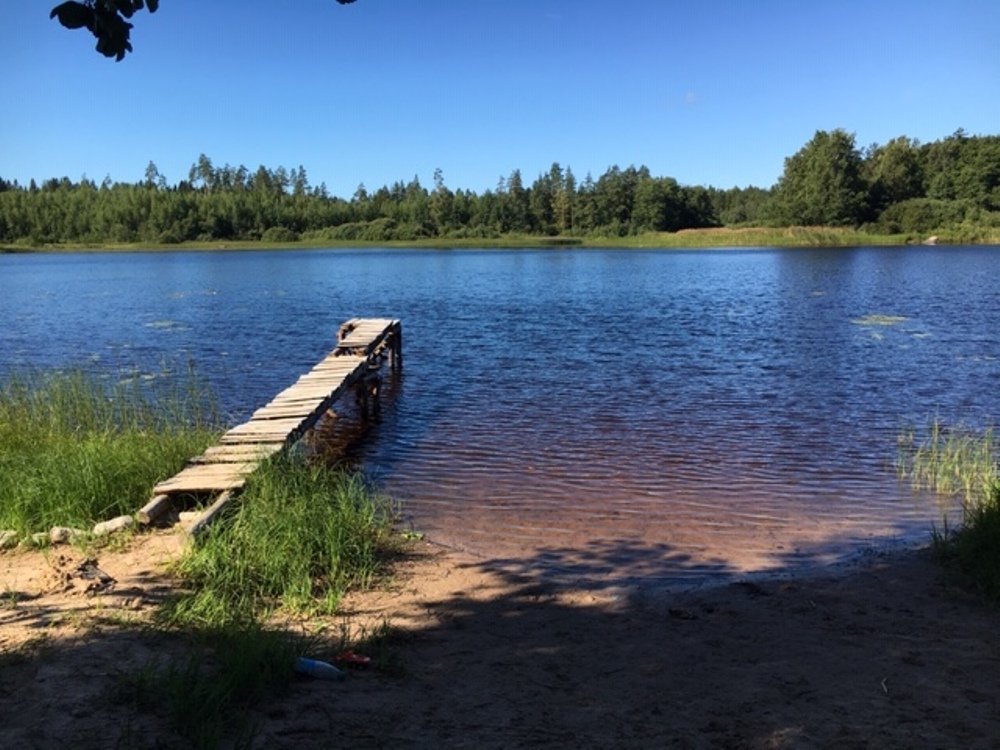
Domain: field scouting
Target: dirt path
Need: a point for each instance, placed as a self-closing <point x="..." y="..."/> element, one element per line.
<point x="881" y="655"/>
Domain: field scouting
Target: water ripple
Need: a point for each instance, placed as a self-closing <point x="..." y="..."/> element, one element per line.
<point x="662" y="415"/>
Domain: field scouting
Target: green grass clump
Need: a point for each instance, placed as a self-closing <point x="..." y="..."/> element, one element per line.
<point x="950" y="462"/>
<point x="205" y="694"/>
<point x="298" y="537"/>
<point x="75" y="450"/>
<point x="962" y="463"/>
<point x="972" y="551"/>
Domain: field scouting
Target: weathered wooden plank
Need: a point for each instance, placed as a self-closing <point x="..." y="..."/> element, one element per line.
<point x="210" y="514"/>
<point x="206" y="478"/>
<point x="304" y="392"/>
<point x="289" y="424"/>
<point x="344" y="363"/>
<point x="281" y="412"/>
<point x="367" y="337"/>
<point x="255" y="452"/>
<point x="296" y="403"/>
<point x="361" y="344"/>
<point x="254" y="437"/>
<point x="156" y="507"/>
<point x="334" y="378"/>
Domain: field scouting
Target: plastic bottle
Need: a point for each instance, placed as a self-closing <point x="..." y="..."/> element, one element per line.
<point x="321" y="670"/>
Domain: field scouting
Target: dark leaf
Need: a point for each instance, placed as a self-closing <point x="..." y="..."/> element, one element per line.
<point x="73" y="15"/>
<point x="124" y="7"/>
<point x="152" y="5"/>
<point x="112" y="33"/>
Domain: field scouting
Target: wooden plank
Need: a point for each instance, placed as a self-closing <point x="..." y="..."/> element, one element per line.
<point x="206" y="478"/>
<point x="156" y="507"/>
<point x="298" y="403"/>
<point x="212" y="471"/>
<point x="211" y="513"/>
<point x="333" y="378"/>
<point x="291" y="412"/>
<point x="253" y="439"/>
<point x="262" y="433"/>
<point x="255" y="452"/>
<point x="288" y="424"/>
<point x="317" y="393"/>
<point x="279" y="411"/>
<point x="344" y="363"/>
<point x="367" y="336"/>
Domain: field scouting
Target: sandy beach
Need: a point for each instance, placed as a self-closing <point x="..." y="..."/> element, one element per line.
<point x="882" y="653"/>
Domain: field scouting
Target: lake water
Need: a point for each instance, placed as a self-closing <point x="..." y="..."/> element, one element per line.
<point x="592" y="416"/>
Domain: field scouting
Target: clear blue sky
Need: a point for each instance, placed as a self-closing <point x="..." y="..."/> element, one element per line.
<point x="714" y="92"/>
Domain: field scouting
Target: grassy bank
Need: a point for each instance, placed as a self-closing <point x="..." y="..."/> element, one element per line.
<point x="964" y="464"/>
<point x="722" y="237"/>
<point x="75" y="450"/>
<point x="298" y="538"/>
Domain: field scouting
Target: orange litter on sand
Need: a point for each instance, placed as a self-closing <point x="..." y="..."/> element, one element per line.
<point x="351" y="659"/>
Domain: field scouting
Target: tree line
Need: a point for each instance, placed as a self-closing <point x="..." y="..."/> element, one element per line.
<point x="900" y="186"/>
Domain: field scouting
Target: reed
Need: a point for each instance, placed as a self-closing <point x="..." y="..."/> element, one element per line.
<point x="76" y="449"/>
<point x="950" y="462"/>
<point x="956" y="462"/>
<point x="972" y="551"/>
<point x="299" y="536"/>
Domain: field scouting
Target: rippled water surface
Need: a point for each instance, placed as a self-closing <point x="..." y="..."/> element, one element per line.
<point x="594" y="415"/>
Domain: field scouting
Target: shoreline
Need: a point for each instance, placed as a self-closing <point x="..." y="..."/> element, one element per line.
<point x="687" y="239"/>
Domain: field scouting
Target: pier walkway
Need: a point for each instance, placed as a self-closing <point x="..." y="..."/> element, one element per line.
<point x="354" y="364"/>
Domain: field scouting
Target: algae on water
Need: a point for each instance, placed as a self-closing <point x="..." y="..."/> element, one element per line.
<point x="879" y="320"/>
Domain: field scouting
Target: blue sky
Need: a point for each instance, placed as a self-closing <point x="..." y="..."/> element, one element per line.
<point x="715" y="92"/>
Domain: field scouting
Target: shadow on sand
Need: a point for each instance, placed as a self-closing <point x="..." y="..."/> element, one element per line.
<point x="499" y="654"/>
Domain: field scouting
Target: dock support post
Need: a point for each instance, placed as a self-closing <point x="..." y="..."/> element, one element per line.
<point x="397" y="349"/>
<point x="154" y="509"/>
<point x="211" y="513"/>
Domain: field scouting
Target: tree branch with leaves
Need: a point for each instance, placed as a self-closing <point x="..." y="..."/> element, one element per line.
<point x="107" y="20"/>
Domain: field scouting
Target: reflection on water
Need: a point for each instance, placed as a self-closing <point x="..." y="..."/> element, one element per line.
<point x="731" y="410"/>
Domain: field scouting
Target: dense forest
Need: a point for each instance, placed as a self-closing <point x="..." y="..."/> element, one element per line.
<point x="899" y="187"/>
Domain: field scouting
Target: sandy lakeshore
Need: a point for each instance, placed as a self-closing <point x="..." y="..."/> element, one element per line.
<point x="883" y="653"/>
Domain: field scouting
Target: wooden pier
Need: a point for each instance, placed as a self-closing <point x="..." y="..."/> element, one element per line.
<point x="353" y="366"/>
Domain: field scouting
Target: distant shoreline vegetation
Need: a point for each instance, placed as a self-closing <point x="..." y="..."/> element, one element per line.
<point x="712" y="238"/>
<point x="830" y="193"/>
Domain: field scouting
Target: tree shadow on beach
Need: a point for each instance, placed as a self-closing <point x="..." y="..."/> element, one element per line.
<point x="512" y="656"/>
<point x="555" y="650"/>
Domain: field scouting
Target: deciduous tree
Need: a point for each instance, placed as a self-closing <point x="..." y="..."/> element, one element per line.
<point x="822" y="183"/>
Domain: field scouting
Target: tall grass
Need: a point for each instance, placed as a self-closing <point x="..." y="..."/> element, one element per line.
<point x="950" y="462"/>
<point x="972" y="551"/>
<point x="294" y="541"/>
<point x="962" y="463"/>
<point x="298" y="537"/>
<point x="75" y="450"/>
<point x="205" y="694"/>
